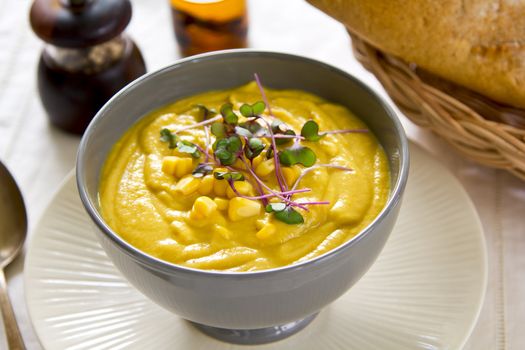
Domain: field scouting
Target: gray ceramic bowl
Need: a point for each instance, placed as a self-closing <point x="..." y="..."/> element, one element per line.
<point x="250" y="307"/>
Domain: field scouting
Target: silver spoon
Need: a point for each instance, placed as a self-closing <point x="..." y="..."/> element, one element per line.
<point x="13" y="228"/>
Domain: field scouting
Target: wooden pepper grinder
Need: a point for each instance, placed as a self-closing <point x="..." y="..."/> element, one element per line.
<point x="86" y="59"/>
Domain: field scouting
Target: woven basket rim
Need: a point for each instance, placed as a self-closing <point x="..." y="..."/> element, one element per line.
<point x="463" y="123"/>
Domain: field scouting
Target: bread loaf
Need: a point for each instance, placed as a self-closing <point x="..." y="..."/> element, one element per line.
<point x="479" y="44"/>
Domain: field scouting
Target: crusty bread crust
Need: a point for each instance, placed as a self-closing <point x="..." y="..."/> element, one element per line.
<point x="479" y="44"/>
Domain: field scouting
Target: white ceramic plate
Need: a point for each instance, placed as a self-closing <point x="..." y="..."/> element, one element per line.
<point x="424" y="292"/>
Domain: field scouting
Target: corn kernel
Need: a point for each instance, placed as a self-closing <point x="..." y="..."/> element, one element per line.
<point x="184" y="167"/>
<point x="265" y="168"/>
<point x="243" y="187"/>
<point x="196" y="219"/>
<point x="204" y="206"/>
<point x="187" y="185"/>
<point x="220" y="187"/>
<point x="168" y="164"/>
<point x="222" y="204"/>
<point x="257" y="160"/>
<point x="206" y="185"/>
<point x="177" y="166"/>
<point x="291" y="174"/>
<point x="241" y="208"/>
<point x="266" y="232"/>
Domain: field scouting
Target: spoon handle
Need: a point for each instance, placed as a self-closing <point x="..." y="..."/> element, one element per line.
<point x="14" y="338"/>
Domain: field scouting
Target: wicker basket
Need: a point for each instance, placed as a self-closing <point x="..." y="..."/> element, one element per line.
<point x="480" y="129"/>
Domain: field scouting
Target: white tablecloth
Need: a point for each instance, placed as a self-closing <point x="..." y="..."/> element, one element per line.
<point x="40" y="156"/>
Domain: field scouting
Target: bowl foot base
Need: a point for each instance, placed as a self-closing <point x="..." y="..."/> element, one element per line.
<point x="255" y="336"/>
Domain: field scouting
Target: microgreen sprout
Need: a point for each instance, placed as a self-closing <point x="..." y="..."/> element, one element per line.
<point x="254" y="127"/>
<point x="244" y="135"/>
<point x="243" y="132"/>
<point x="289" y="215"/>
<point x="167" y="136"/>
<point x="254" y="110"/>
<point x="198" y="125"/>
<point x="228" y="149"/>
<point x="297" y="154"/>
<point x="225" y="175"/>
<point x="202" y="170"/>
<point x="228" y="114"/>
<point x="188" y="147"/>
<point x="310" y="131"/>
<point x="219" y="130"/>
<point x="273" y="207"/>
<point x="204" y="113"/>
<point x="181" y="146"/>
<point x="253" y="148"/>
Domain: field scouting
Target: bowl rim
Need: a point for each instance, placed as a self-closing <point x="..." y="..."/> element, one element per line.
<point x="158" y="264"/>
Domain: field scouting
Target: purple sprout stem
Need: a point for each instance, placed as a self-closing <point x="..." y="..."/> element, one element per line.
<point x="265" y="196"/>
<point x="278" y="171"/>
<point x="314" y="203"/>
<point x="199" y="148"/>
<point x="276" y="194"/>
<point x="257" y="184"/>
<point x="283" y="136"/>
<point x="196" y="125"/>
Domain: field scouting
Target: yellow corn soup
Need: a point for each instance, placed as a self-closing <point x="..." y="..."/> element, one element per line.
<point x="150" y="198"/>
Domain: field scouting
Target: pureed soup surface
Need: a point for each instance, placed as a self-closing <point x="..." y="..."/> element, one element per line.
<point x="149" y="196"/>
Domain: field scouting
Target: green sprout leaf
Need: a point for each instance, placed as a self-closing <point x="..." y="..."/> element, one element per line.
<point x="275" y="207"/>
<point x="202" y="170"/>
<point x="289" y="216"/>
<point x="221" y="144"/>
<point x="253" y="148"/>
<point x="225" y="175"/>
<point x="228" y="114"/>
<point x="234" y="143"/>
<point x="258" y="107"/>
<point x="203" y="112"/>
<point x="219" y="130"/>
<point x="243" y="132"/>
<point x="310" y="131"/>
<point x="297" y="154"/>
<point x="254" y="127"/>
<point x="269" y="153"/>
<point x="284" y="141"/>
<point x="169" y="137"/>
<point x="225" y="157"/>
<point x="246" y="110"/>
<point x="188" y="147"/>
<point x="250" y="111"/>
<point x="278" y="126"/>
<point x="226" y="150"/>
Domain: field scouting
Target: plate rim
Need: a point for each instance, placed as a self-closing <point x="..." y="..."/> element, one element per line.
<point x="70" y="177"/>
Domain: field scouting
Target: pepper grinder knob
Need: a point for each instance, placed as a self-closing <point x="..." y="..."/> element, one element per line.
<point x="87" y="57"/>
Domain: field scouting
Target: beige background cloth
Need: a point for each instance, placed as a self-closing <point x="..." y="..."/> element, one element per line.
<point x="40" y="156"/>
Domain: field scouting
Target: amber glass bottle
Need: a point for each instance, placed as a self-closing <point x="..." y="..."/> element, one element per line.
<point x="209" y="25"/>
<point x="86" y="59"/>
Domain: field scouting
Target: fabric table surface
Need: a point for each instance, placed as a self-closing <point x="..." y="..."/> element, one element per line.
<point x="39" y="155"/>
